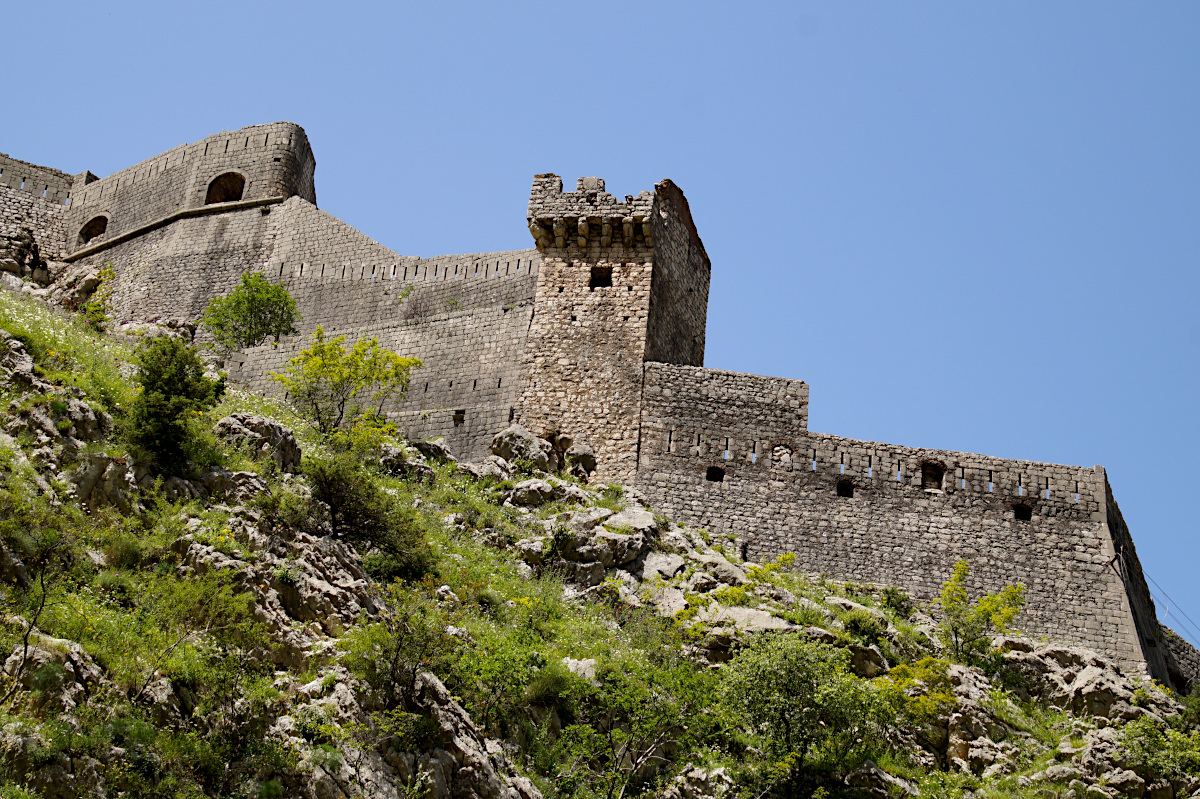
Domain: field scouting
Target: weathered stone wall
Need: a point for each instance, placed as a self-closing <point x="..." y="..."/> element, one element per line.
<point x="173" y="271"/>
<point x="1183" y="661"/>
<point x="275" y="160"/>
<point x="777" y="491"/>
<point x="466" y="317"/>
<point x="679" y="289"/>
<point x="24" y="210"/>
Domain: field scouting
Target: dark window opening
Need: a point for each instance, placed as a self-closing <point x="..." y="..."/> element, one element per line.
<point x="931" y="476"/>
<point x="94" y="228"/>
<point x="715" y="474"/>
<point x="225" y="188"/>
<point x="601" y="277"/>
<point x="459" y="417"/>
<point x="1023" y="513"/>
<point x="745" y="550"/>
<point x="512" y="414"/>
<point x="845" y="488"/>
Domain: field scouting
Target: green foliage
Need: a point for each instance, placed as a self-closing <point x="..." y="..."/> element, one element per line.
<point x="409" y="638"/>
<point x="643" y="710"/>
<point x="332" y="385"/>
<point x="966" y="625"/>
<point x="922" y="691"/>
<point x="809" y="710"/>
<point x="864" y="624"/>
<point x="250" y="314"/>
<point x="95" y="310"/>
<point x="164" y="422"/>
<point x="898" y="601"/>
<point x="361" y="512"/>
<point x="363" y="436"/>
<point x="1160" y="751"/>
<point x="67" y="352"/>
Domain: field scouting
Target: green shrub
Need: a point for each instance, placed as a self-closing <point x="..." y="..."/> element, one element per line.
<point x="1151" y="749"/>
<point x="250" y="314"/>
<point x="164" y="422"/>
<point x="966" y="626"/>
<point x="864" y="624"/>
<point x="810" y="710"/>
<point x="898" y="601"/>
<point x="361" y="512"/>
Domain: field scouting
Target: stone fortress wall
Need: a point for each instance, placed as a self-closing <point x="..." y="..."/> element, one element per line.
<point x="731" y="453"/>
<point x="598" y="333"/>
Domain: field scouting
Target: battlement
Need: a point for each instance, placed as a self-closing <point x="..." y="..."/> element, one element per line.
<point x="253" y="163"/>
<point x="52" y="185"/>
<point x="588" y="215"/>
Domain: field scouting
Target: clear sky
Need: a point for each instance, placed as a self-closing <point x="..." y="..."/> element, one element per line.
<point x="971" y="226"/>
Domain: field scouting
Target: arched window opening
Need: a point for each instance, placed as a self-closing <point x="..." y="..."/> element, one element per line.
<point x="93" y="229"/>
<point x="225" y="188"/>
<point x="845" y="488"/>
<point x="1022" y="513"/>
<point x="715" y="474"/>
<point x="931" y="476"/>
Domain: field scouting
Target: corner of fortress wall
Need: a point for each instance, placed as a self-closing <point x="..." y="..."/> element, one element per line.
<point x="599" y="332"/>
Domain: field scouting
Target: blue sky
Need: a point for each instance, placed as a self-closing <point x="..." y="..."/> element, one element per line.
<point x="968" y="226"/>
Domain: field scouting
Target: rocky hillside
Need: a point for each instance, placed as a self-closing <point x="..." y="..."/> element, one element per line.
<point x="305" y="616"/>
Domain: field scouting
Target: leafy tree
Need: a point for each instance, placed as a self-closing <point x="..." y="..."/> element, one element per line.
<point x="334" y="386"/>
<point x="250" y="314"/>
<point x="966" y="625"/>
<point x="801" y="698"/>
<point x="163" y="421"/>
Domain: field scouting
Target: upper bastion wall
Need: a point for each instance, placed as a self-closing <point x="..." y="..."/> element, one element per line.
<point x="264" y="161"/>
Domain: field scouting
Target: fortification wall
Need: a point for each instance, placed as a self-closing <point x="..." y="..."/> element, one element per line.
<point x="471" y="348"/>
<point x="275" y="160"/>
<point x="776" y="490"/>
<point x="173" y="271"/>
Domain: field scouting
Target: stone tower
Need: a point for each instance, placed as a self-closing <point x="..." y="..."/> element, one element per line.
<point x="621" y="283"/>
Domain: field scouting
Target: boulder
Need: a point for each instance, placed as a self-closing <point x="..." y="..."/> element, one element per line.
<point x="262" y="437"/>
<point x="531" y="493"/>
<point x="875" y="782"/>
<point x="435" y="449"/>
<point x="581" y="459"/>
<point x="662" y="565"/>
<point x="516" y="442"/>
<point x="720" y="568"/>
<point x="59" y="671"/>
<point x="633" y="520"/>
<point x="585" y="669"/>
<point x="867" y="661"/>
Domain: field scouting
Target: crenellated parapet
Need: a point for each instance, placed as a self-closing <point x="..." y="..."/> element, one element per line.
<point x="588" y="218"/>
